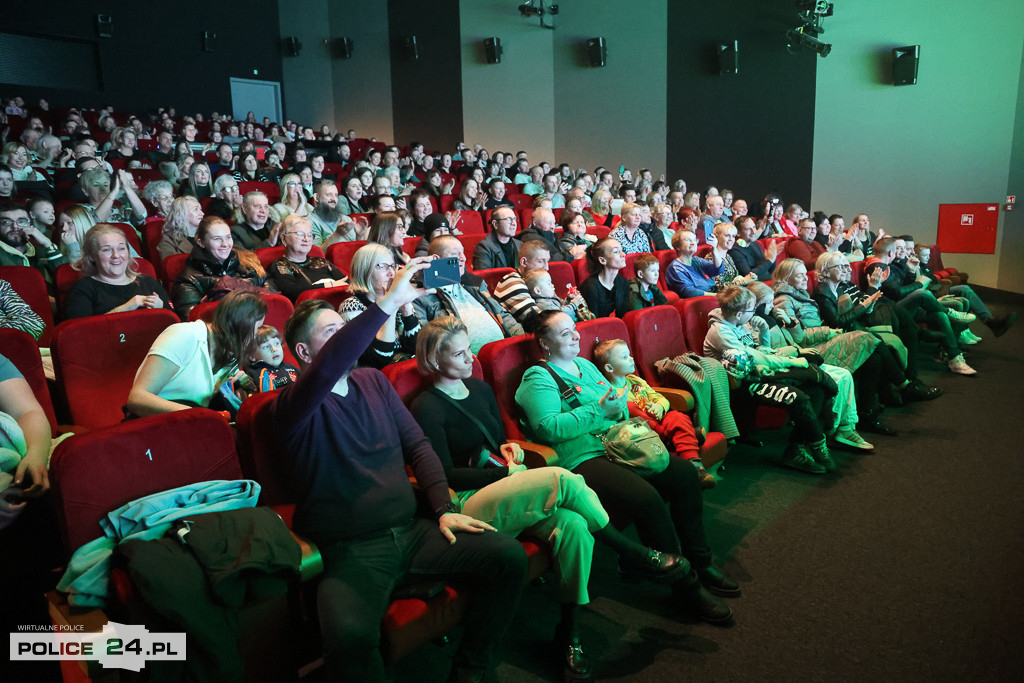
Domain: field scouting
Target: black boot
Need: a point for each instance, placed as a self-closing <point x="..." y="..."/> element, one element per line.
<point x="693" y="597"/>
<point x="1000" y="325"/>
<point x="575" y="665"/>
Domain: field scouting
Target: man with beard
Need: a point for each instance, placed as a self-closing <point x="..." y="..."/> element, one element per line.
<point x="330" y="225"/>
<point x="255" y="230"/>
<point x="21" y="243"/>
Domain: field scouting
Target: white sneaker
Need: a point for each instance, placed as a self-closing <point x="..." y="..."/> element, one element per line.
<point x="967" y="338"/>
<point x="959" y="366"/>
<point x="976" y="338"/>
<point x="848" y="436"/>
<point x="961" y="317"/>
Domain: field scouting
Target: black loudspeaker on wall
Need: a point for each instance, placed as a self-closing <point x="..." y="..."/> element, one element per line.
<point x="342" y="48"/>
<point x="105" y="26"/>
<point x="904" y="64"/>
<point x="412" y="48"/>
<point x="597" y="50"/>
<point x="728" y="57"/>
<point x="292" y="46"/>
<point x="492" y="48"/>
<point x="209" y="41"/>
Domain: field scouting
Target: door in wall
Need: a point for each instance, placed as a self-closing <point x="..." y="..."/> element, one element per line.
<point x="260" y="97"/>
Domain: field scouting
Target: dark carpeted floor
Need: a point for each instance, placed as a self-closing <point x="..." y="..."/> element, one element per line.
<point x="908" y="564"/>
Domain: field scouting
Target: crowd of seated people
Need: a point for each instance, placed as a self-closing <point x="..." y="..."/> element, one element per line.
<point x="207" y="195"/>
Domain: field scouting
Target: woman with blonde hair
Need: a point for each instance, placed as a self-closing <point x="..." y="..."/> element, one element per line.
<point x="293" y="199"/>
<point x="180" y="227"/>
<point x="71" y="226"/>
<point x="601" y="207"/>
<point x="110" y="282"/>
<point x="200" y="181"/>
<point x="371" y="276"/>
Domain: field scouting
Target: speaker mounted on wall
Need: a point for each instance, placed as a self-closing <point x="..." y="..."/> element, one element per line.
<point x="342" y="48"/>
<point x="597" y="51"/>
<point x="292" y="46"/>
<point x="209" y="41"/>
<point x="105" y="25"/>
<point x="728" y="53"/>
<point x="904" y="64"/>
<point x="492" y="49"/>
<point x="411" y="48"/>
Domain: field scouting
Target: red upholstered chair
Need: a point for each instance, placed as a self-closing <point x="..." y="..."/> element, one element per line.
<point x="579" y="269"/>
<point x="525" y="217"/>
<point x="812" y="280"/>
<point x="470" y="222"/>
<point x="279" y="308"/>
<point x="95" y="360"/>
<point x="21" y="349"/>
<point x="657" y="333"/>
<point x="446" y="202"/>
<point x="521" y="201"/>
<point x="694" y="314"/>
<point x="409" y="245"/>
<point x="857" y="276"/>
<point x="31" y="287"/>
<point x="561" y="275"/>
<point x="332" y="295"/>
<point x="703" y="250"/>
<point x="152" y="233"/>
<point x="615" y="221"/>
<point x="130" y="235"/>
<point x="504" y="363"/>
<point x="469" y="243"/>
<point x="272" y="191"/>
<point x="173" y="265"/>
<point x="629" y="272"/>
<point x="268" y="255"/>
<point x="599" y="230"/>
<point x="665" y="257"/>
<point x="66" y="277"/>
<point x="102" y="470"/>
<point x="340" y="254"/>
<point x="492" y="276"/>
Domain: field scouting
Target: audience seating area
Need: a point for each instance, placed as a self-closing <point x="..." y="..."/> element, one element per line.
<point x="109" y="462"/>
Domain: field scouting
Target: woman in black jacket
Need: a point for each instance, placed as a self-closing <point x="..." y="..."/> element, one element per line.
<point x="214" y="266"/>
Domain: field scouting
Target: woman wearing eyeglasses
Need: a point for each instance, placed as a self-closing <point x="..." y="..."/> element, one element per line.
<point x="373" y="272"/>
<point x="297" y="271"/>
<point x="389" y="229"/>
<point x="293" y="199"/>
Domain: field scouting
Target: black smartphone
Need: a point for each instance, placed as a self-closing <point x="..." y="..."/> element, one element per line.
<point x="440" y="273"/>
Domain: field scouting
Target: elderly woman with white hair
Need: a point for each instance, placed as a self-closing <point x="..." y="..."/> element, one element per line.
<point x="102" y="192"/>
<point x="297" y="271"/>
<point x="160" y="195"/>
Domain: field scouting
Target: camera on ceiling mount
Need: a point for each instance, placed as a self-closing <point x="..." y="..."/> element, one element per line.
<point x="806" y="35"/>
<point x="536" y="8"/>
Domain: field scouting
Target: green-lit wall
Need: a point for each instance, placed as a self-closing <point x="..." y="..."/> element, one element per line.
<point x="896" y="153"/>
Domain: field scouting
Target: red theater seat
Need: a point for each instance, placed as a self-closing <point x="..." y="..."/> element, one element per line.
<point x="96" y="358"/>
<point x="21" y="349"/>
<point x="341" y="253"/>
<point x="268" y="255"/>
<point x="332" y="295"/>
<point x="31" y="287"/>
